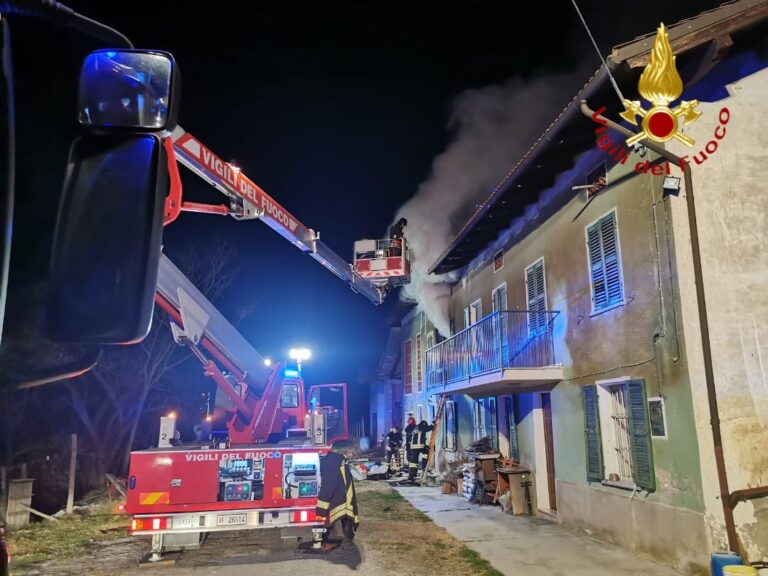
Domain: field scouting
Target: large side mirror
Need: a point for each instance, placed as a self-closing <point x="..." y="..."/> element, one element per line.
<point x="128" y="90"/>
<point x="107" y="243"/>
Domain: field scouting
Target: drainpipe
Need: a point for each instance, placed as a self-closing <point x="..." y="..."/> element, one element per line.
<point x="714" y="413"/>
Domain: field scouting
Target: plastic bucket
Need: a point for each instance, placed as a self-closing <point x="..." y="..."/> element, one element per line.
<point x="739" y="571"/>
<point x="722" y="559"/>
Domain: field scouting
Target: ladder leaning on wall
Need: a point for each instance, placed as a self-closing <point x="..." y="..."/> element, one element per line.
<point x="433" y="438"/>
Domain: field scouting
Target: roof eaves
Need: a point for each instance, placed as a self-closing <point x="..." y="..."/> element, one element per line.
<point x="695" y="31"/>
<point x="722" y="20"/>
<point x="595" y="82"/>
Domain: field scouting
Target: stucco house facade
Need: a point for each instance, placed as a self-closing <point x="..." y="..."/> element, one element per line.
<point x="576" y="342"/>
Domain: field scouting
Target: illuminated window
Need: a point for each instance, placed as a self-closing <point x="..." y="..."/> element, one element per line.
<point x="407" y="368"/>
<point x="419" y="364"/>
<point x="498" y="261"/>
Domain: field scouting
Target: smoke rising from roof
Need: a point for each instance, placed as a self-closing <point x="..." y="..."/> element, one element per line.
<point x="492" y="128"/>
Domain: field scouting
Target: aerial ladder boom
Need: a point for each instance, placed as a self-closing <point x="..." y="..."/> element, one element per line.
<point x="175" y="292"/>
<point x="249" y="201"/>
<point x="239" y="371"/>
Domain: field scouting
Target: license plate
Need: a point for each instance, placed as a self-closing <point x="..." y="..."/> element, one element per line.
<point x="231" y="519"/>
<point x="318" y="530"/>
<point x="186" y="522"/>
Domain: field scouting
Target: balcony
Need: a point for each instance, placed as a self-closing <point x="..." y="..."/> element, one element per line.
<point x="504" y="351"/>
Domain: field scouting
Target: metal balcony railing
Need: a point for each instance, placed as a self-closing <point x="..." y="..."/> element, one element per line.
<point x="504" y="339"/>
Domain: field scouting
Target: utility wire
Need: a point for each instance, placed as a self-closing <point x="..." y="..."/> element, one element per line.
<point x="599" y="54"/>
<point x="58" y="13"/>
<point x="6" y="211"/>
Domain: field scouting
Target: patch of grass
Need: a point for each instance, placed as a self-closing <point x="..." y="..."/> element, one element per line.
<point x="67" y="538"/>
<point x="387" y="505"/>
<point x="480" y="565"/>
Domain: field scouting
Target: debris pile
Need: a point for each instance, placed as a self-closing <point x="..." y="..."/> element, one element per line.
<point x="482" y="446"/>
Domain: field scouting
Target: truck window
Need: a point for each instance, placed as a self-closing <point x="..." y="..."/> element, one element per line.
<point x="289" y="397"/>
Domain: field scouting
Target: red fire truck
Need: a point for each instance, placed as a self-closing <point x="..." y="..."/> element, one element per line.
<point x="266" y="474"/>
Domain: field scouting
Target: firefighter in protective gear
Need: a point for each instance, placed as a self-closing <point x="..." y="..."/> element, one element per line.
<point x="423" y="428"/>
<point x="419" y="448"/>
<point x="393" y="442"/>
<point x="396" y="235"/>
<point x="410" y="454"/>
<point x="336" y="499"/>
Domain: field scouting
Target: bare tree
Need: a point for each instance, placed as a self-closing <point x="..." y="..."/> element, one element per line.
<point x="126" y="377"/>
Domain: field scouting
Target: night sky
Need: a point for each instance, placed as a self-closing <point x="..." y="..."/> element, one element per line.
<point x="336" y="109"/>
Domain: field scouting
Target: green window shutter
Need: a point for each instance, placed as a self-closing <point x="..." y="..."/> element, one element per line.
<point x="604" y="266"/>
<point x="610" y="243"/>
<point x="640" y="435"/>
<point x="597" y="271"/>
<point x="514" y="450"/>
<point x="537" y="299"/>
<point x="592" y="435"/>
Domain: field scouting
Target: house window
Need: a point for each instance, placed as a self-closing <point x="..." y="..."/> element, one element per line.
<point x="605" y="263"/>
<point x="597" y="180"/>
<point x="407" y="368"/>
<point x="536" y="298"/>
<point x="618" y="434"/>
<point x="451" y="428"/>
<point x="617" y="457"/>
<point x="485" y="420"/>
<point x="499" y="300"/>
<point x="498" y="261"/>
<point x="473" y="313"/>
<point x="499" y="297"/>
<point x="419" y="364"/>
<point x="430" y="339"/>
<point x="419" y="413"/>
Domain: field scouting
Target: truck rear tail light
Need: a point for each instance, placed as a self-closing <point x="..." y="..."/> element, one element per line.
<point x="147" y="524"/>
<point x="304" y="516"/>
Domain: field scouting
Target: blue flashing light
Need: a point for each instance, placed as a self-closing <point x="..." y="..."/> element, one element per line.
<point x="288" y="373"/>
<point x="111" y="54"/>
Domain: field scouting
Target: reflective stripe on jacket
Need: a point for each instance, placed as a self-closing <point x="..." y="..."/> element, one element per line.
<point x="419" y="436"/>
<point x="337" y="497"/>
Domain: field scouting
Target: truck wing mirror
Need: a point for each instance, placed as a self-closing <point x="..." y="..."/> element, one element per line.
<point x="108" y="236"/>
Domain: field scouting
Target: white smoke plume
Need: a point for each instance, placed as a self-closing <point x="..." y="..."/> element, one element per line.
<point x="492" y="128"/>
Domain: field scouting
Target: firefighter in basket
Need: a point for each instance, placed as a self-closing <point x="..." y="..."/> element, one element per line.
<point x="396" y="235"/>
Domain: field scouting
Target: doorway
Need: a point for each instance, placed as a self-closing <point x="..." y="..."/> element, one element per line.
<point x="546" y="406"/>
